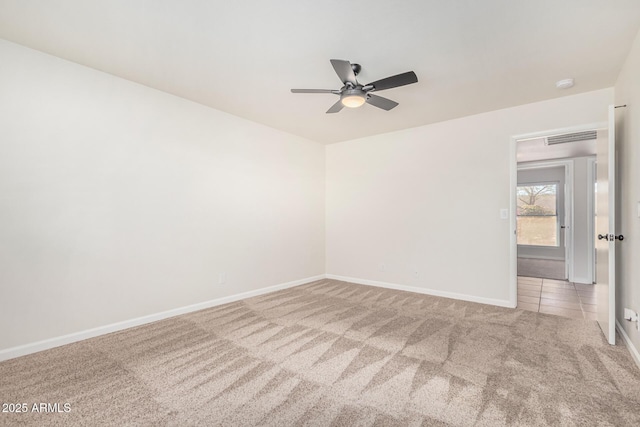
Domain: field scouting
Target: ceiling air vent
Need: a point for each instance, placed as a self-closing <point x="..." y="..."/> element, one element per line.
<point x="571" y="137"/>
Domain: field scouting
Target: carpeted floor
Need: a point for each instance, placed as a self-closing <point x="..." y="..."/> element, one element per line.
<point x="331" y="353"/>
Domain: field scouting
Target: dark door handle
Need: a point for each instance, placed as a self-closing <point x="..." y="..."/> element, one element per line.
<point x="610" y="236"/>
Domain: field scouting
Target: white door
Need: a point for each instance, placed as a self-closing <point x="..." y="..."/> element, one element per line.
<point x="605" y="230"/>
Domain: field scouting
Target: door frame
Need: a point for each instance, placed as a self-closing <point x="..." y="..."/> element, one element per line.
<point x="568" y="207"/>
<point x="513" y="184"/>
<point x="591" y="205"/>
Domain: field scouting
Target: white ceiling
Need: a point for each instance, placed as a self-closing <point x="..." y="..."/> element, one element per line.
<point x="242" y="57"/>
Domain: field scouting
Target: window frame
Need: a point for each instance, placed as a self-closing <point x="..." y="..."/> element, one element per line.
<point x="557" y="215"/>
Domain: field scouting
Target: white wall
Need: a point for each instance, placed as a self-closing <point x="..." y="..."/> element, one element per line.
<point x="427" y="199"/>
<point x="119" y="201"/>
<point x="583" y="220"/>
<point x="627" y="91"/>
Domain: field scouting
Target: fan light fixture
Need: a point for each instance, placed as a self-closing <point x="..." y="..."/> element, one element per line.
<point x="353" y="100"/>
<point x="354" y="94"/>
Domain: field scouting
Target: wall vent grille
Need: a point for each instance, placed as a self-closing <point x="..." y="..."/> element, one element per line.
<point x="571" y="137"/>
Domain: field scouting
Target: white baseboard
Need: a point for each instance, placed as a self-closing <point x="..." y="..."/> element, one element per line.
<point x="543" y="257"/>
<point x="35" y="347"/>
<point x="582" y="281"/>
<point x="434" y="292"/>
<point x="632" y="348"/>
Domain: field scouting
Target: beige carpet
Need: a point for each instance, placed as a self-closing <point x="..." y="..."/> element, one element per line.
<point x="335" y="354"/>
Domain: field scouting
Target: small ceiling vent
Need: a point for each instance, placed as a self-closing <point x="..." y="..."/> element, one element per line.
<point x="571" y="137"/>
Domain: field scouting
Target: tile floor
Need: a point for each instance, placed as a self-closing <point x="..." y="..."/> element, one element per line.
<point x="557" y="297"/>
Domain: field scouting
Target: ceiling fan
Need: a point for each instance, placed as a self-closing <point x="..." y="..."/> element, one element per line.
<point x="354" y="94"/>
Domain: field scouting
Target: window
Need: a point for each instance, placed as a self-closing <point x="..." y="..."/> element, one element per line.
<point x="537" y="214"/>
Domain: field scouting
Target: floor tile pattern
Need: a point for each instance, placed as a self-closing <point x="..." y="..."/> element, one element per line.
<point x="558" y="297"/>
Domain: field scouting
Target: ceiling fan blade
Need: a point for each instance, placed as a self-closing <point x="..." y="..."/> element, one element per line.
<point x="380" y="102"/>
<point x="344" y="71"/>
<point x="312" y="91"/>
<point x="395" y="81"/>
<point x="335" y="107"/>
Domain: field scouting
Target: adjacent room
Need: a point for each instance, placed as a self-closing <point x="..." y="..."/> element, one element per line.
<point x="364" y="213"/>
<point x="556" y="219"/>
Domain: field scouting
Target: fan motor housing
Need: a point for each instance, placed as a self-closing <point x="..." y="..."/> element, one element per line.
<point x="353" y="92"/>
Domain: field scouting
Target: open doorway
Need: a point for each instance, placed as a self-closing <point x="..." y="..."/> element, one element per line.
<point x="554" y="223"/>
<point x="544" y="219"/>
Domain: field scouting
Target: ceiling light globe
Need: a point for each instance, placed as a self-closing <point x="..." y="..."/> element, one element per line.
<point x="564" y="84"/>
<point x="353" y="101"/>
